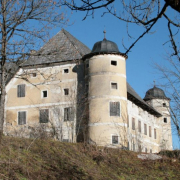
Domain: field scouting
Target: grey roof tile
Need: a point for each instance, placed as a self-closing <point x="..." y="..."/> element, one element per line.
<point x="136" y="99"/>
<point x="62" y="47"/>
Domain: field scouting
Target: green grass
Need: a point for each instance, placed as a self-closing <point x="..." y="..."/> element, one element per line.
<point x="24" y="159"/>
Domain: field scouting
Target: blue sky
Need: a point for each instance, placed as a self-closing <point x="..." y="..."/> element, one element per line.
<point x="150" y="49"/>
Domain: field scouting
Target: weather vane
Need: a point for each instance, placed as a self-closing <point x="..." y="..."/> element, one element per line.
<point x="154" y="83"/>
<point x="104" y="34"/>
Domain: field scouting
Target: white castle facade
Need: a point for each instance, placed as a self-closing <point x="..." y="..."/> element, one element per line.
<point x="74" y="94"/>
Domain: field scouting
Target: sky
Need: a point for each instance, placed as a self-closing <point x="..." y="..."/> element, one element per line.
<point x="140" y="63"/>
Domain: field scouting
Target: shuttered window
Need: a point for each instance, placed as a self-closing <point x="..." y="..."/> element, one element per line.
<point x="114" y="108"/>
<point x="133" y="124"/>
<point x="145" y="129"/>
<point x="21" y="117"/>
<point x="154" y="133"/>
<point x="149" y="131"/>
<point x="21" y="90"/>
<point x="68" y="114"/>
<point x="139" y="126"/>
<point x="115" y="139"/>
<point x="44" y="116"/>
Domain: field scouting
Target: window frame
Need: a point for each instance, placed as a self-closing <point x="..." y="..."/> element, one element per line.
<point x="165" y="118"/>
<point x="133" y="123"/>
<point x="150" y="133"/>
<point x="115" y="63"/>
<point x="19" y="90"/>
<point x="139" y="126"/>
<point x="155" y="133"/>
<point x="66" y="89"/>
<point x="18" y="118"/>
<point x="114" y="135"/>
<point x="145" y="129"/>
<point x="46" y="116"/>
<point x="64" y="70"/>
<point x="115" y="114"/>
<point x="43" y="94"/>
<point x="111" y="85"/>
<point x="71" y="116"/>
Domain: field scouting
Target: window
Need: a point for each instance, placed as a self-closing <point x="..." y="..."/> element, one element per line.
<point x="66" y="71"/>
<point x="68" y="114"/>
<point x="21" y="117"/>
<point x="139" y="148"/>
<point x="114" y="108"/>
<point x="128" y="121"/>
<point x="133" y="124"/>
<point x="66" y="92"/>
<point x="165" y="120"/>
<point x="145" y="129"/>
<point x="44" y="116"/>
<point x="115" y="139"/>
<point x="44" y="94"/>
<point x="87" y="65"/>
<point x="149" y="131"/>
<point x="150" y="150"/>
<point x="134" y="148"/>
<point x="113" y="85"/>
<point x="21" y="90"/>
<point x="114" y="63"/>
<point x="33" y="75"/>
<point x="154" y="133"/>
<point x="139" y="126"/>
<point x="65" y="140"/>
<point x="145" y="150"/>
<point x="164" y="104"/>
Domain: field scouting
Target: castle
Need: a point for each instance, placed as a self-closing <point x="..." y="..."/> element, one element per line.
<point x="75" y="94"/>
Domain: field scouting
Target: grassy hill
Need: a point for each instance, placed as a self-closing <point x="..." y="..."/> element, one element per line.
<point x="27" y="159"/>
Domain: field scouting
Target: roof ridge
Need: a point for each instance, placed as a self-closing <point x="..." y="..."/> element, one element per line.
<point x="66" y="32"/>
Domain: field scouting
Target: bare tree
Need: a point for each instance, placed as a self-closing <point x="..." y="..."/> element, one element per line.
<point x="24" y="25"/>
<point x="145" y="14"/>
<point x="170" y="74"/>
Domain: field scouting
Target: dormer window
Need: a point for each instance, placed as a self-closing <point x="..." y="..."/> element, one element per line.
<point x="114" y="63"/>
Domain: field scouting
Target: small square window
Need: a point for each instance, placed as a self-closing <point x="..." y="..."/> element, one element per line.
<point x="114" y="63"/>
<point x="44" y="94"/>
<point x="87" y="65"/>
<point x="115" y="139"/>
<point x="33" y="75"/>
<point x="66" y="92"/>
<point x="165" y="120"/>
<point x="113" y="85"/>
<point x="66" y="71"/>
<point x="164" y="104"/>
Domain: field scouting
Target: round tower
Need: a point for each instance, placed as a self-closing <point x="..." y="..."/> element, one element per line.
<point x="105" y="77"/>
<point x="158" y="100"/>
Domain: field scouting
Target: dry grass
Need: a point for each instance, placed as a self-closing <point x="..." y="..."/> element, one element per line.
<point x="25" y="159"/>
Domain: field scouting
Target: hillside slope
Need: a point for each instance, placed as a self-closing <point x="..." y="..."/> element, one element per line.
<point x="27" y="159"/>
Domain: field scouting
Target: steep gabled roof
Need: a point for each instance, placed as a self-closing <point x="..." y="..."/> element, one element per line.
<point x="62" y="47"/>
<point x="136" y="99"/>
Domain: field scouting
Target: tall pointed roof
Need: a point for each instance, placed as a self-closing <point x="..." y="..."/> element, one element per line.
<point x="62" y="47"/>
